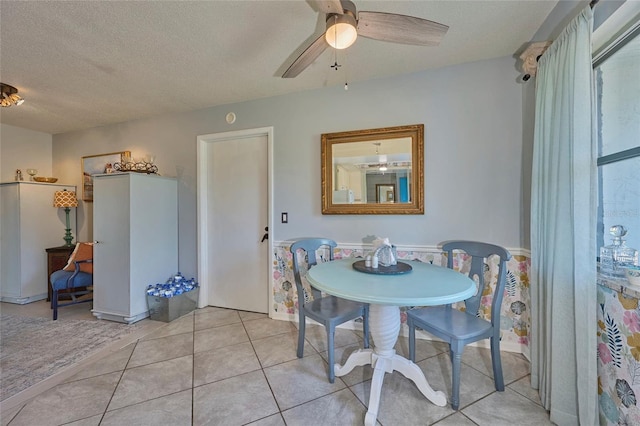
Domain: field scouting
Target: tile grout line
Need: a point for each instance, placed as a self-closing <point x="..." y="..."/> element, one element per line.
<point x="193" y="369"/>
<point x="104" y="413"/>
<point x="262" y="370"/>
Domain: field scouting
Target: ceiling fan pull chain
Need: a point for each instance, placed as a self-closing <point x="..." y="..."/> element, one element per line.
<point x="346" y="73"/>
<point x="335" y="65"/>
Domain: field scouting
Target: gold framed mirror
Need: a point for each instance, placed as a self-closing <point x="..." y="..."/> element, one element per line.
<point x="373" y="171"/>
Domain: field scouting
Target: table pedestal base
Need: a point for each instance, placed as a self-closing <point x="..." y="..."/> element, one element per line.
<point x="384" y="322"/>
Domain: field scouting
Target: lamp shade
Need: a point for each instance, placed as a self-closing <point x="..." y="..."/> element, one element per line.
<point x="65" y="199"/>
<point x="341" y="31"/>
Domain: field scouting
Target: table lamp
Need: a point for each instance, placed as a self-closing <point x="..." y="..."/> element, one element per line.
<point x="66" y="199"/>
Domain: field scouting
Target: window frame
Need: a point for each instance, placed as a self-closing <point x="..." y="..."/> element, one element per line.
<point x="598" y="59"/>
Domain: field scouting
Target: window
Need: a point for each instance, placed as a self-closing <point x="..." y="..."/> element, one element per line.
<point x="618" y="120"/>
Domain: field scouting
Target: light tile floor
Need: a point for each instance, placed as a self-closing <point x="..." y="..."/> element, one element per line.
<point x="224" y="367"/>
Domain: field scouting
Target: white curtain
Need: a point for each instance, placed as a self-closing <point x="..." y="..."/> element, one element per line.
<point x="563" y="226"/>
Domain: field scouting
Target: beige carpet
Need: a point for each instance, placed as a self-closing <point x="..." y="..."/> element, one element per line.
<point x="33" y="349"/>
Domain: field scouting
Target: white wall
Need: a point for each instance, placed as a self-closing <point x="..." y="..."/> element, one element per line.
<point x="24" y="149"/>
<point x="473" y="154"/>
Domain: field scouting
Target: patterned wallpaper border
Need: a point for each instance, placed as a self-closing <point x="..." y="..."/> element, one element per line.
<point x="515" y="320"/>
<point x="618" y="357"/>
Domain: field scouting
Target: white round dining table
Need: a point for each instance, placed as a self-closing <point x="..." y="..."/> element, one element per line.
<point x="424" y="285"/>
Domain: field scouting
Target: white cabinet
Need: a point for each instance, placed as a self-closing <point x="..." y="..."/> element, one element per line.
<point x="29" y="224"/>
<point x="135" y="226"/>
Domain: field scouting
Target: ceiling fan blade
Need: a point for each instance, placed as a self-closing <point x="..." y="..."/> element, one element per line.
<point x="400" y="28"/>
<point x="330" y="6"/>
<point x="307" y="57"/>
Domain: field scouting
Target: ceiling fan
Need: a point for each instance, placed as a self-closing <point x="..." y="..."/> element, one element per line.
<point x="344" y="25"/>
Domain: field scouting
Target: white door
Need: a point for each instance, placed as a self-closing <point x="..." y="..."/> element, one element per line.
<point x="234" y="212"/>
<point x="111" y="250"/>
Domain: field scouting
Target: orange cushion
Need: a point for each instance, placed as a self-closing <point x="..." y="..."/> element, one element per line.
<point x="83" y="251"/>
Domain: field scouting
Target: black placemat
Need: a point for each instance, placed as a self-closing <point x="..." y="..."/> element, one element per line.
<point x="397" y="269"/>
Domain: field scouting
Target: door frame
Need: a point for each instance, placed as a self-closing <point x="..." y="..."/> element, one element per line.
<point x="203" y="143"/>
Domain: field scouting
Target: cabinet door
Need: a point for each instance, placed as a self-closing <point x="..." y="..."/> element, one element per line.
<point x="111" y="253"/>
<point x="10" y="242"/>
<point x="154" y="235"/>
<point x="41" y="226"/>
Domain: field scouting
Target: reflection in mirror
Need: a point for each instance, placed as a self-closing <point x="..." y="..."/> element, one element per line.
<point x="375" y="171"/>
<point x="385" y="193"/>
<point x="360" y="168"/>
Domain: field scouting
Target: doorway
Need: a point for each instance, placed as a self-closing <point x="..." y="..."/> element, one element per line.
<point x="234" y="212"/>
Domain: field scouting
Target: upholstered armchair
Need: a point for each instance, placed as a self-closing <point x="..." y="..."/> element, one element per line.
<point x="73" y="284"/>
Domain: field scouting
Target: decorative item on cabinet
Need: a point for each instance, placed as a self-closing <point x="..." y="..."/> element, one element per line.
<point x="98" y="164"/>
<point x="32" y="173"/>
<point x="136" y="166"/>
<point x="45" y="179"/>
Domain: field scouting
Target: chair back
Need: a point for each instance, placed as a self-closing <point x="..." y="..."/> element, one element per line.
<point x="310" y="247"/>
<point x="480" y="252"/>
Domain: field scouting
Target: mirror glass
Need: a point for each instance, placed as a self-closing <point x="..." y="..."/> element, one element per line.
<point x="373" y="171"/>
<point x="385" y="193"/>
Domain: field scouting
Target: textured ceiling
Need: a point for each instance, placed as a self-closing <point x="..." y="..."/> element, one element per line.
<point x="83" y="64"/>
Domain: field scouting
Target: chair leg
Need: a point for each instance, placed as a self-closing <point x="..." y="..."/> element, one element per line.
<point x="497" y="363"/>
<point x="365" y="326"/>
<point x="54" y="304"/>
<point x="301" y="327"/>
<point x="456" y="358"/>
<point x="330" y="335"/>
<point x="412" y="339"/>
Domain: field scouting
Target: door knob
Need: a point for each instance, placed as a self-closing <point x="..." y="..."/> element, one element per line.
<point x="266" y="234"/>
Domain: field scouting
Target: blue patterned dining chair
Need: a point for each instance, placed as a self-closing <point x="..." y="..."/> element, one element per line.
<point x="330" y="311"/>
<point x="459" y="328"/>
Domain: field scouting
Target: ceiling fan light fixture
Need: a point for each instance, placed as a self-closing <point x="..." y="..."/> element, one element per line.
<point x="9" y="96"/>
<point x="15" y="99"/>
<point x="341" y="31"/>
<point x="343" y="24"/>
